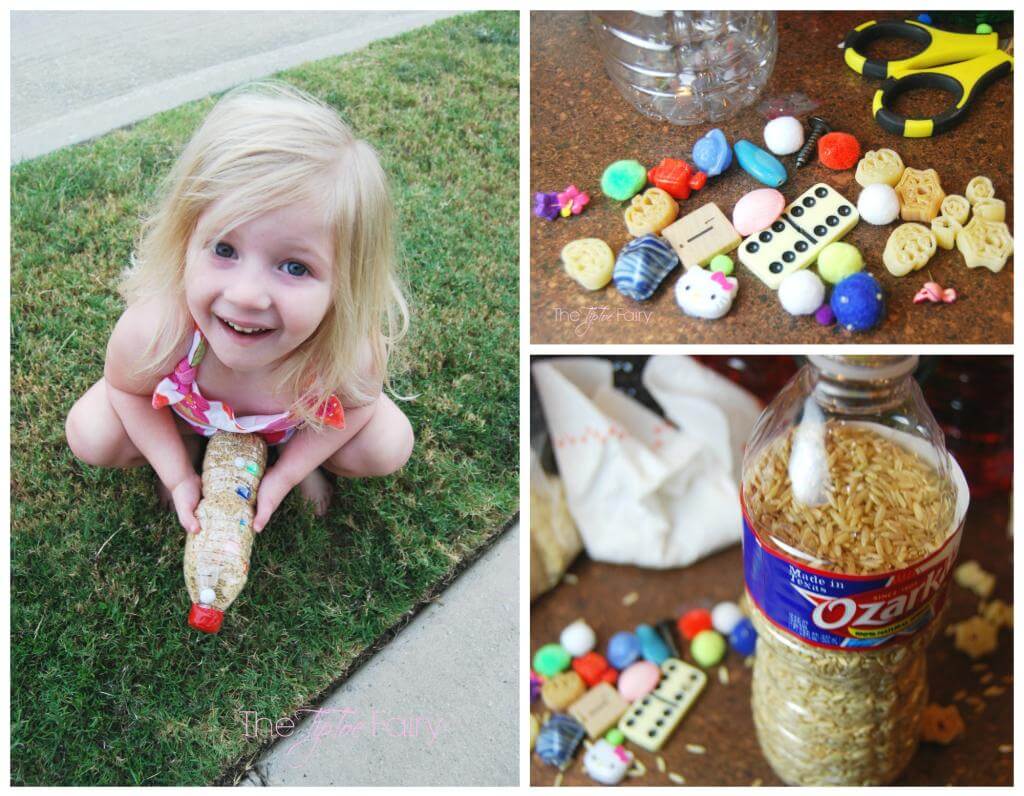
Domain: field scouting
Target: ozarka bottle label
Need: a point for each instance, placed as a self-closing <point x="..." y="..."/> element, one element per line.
<point x="834" y="610"/>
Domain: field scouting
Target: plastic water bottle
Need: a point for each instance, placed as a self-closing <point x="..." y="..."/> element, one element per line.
<point x="216" y="560"/>
<point x="852" y="511"/>
<point x="687" y="67"/>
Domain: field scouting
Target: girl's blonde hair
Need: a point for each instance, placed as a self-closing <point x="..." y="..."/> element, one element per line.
<point x="264" y="146"/>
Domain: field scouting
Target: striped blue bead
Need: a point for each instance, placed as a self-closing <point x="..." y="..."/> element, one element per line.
<point x="558" y="740"/>
<point x="642" y="265"/>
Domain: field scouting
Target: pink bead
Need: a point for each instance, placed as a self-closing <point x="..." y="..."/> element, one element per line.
<point x="757" y="210"/>
<point x="638" y="680"/>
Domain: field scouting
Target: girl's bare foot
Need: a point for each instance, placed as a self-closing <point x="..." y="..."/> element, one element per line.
<point x="316" y="488"/>
<point x="194" y="446"/>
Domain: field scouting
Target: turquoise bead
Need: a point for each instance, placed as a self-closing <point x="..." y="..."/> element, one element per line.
<point x="762" y="166"/>
<point x="652" y="648"/>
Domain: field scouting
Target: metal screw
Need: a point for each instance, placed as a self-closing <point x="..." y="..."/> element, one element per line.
<point x="818" y="128"/>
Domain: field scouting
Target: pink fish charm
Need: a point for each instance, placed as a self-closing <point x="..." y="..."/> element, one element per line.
<point x="933" y="291"/>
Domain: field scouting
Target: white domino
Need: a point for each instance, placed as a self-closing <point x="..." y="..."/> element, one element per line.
<point x="652" y="719"/>
<point x="818" y="217"/>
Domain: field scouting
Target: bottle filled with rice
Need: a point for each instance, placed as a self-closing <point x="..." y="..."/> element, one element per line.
<point x="853" y="511"/>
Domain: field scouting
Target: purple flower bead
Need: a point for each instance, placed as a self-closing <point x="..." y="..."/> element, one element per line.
<point x="546" y="205"/>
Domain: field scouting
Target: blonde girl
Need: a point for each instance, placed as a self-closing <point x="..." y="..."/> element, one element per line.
<point x="262" y="298"/>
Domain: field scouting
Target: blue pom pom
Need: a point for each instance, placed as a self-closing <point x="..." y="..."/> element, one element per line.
<point x="924" y="19"/>
<point x="857" y="302"/>
<point x="743" y="637"/>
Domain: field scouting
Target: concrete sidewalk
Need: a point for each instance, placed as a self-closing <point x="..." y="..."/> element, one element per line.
<point x="438" y="706"/>
<point x="78" y="74"/>
<point x="453" y="674"/>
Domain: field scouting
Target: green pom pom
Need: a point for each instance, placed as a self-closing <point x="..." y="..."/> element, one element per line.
<point x="614" y="736"/>
<point x="983" y="28"/>
<point x="551" y="659"/>
<point x="708" y="648"/>
<point x="623" y="179"/>
<point x="723" y="263"/>
<point x="838" y="260"/>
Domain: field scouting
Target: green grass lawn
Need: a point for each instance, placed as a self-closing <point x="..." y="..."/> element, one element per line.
<point x="108" y="684"/>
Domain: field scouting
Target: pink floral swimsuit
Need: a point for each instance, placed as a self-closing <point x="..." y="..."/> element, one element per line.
<point x="180" y="391"/>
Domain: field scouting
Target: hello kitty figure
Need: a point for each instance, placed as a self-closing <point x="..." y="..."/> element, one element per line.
<point x="607" y="764"/>
<point x="706" y="294"/>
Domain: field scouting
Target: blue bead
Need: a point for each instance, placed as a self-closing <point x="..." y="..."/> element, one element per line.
<point x="623" y="649"/>
<point x="857" y="302"/>
<point x="924" y="19"/>
<point x="711" y="154"/>
<point x="642" y="265"/>
<point x="743" y="638"/>
<point x="558" y="740"/>
<point x="652" y="647"/>
<point x="762" y="166"/>
<point x="243" y="492"/>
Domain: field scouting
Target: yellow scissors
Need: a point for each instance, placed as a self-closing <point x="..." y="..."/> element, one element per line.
<point x="961" y="64"/>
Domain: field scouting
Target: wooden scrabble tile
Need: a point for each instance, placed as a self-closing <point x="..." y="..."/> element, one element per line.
<point x="700" y="235"/>
<point x="599" y="709"/>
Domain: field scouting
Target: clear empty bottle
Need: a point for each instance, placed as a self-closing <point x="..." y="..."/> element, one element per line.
<point x="853" y="511"/>
<point x="687" y="67"/>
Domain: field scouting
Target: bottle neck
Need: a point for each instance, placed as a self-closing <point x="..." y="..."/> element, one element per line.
<point x="861" y="385"/>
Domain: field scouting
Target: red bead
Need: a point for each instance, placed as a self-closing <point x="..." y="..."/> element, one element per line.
<point x="592" y="667"/>
<point x="838" y="151"/>
<point x="693" y="622"/>
<point x="677" y="178"/>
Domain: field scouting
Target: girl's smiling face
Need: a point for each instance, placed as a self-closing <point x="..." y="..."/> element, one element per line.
<point x="262" y="289"/>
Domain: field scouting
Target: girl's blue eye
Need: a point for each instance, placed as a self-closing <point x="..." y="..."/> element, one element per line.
<point x="295" y="269"/>
<point x="222" y="249"/>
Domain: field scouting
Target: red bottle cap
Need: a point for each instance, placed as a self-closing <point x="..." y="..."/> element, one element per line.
<point x="208" y="620"/>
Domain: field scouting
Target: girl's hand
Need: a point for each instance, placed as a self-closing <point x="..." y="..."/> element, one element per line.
<point x="272" y="491"/>
<point x="186" y="496"/>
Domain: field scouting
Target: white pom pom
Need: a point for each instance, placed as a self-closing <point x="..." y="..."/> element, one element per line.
<point x="578" y="638"/>
<point x="207" y="596"/>
<point x="725" y="616"/>
<point x="878" y="204"/>
<point x="802" y="292"/>
<point x="784" y="135"/>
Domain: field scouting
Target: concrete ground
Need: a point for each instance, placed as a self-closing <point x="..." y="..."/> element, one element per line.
<point x="78" y="74"/>
<point x="439" y="704"/>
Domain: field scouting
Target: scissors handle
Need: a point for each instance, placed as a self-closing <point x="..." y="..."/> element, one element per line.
<point x="940" y="46"/>
<point x="965" y="81"/>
